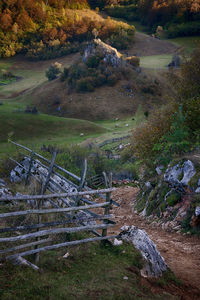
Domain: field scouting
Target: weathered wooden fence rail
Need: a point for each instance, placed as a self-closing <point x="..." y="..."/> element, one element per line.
<point x="82" y="217"/>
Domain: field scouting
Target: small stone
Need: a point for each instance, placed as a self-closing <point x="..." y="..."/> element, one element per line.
<point x="125" y="278"/>
<point x="117" y="242"/>
<point x="66" y="255"/>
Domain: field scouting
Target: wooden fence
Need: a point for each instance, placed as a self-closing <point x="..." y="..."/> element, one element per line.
<point x="77" y="215"/>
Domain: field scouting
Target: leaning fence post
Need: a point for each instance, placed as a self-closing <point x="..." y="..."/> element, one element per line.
<point x="108" y="183"/>
<point x="43" y="190"/>
<point x="82" y="182"/>
<point x="30" y="166"/>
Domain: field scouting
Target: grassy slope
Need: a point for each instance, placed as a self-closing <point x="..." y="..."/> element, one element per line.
<point x="36" y="130"/>
<point x="90" y="272"/>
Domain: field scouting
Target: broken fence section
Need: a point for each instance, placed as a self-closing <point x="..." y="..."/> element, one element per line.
<point x="69" y="201"/>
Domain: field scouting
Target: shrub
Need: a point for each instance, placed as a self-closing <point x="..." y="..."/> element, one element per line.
<point x="85" y="85"/>
<point x="148" y="134"/>
<point x="184" y="29"/>
<point x="64" y="74"/>
<point x="93" y="61"/>
<point x="112" y="79"/>
<point x="133" y="60"/>
<point x="53" y="71"/>
<point x="173" y="199"/>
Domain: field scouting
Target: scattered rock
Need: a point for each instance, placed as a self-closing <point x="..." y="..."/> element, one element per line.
<point x="148" y="185"/>
<point x="66" y="255"/>
<point x="117" y="242"/>
<point x="159" y="170"/>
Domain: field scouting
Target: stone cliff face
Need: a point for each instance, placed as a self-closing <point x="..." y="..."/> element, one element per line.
<point x="173" y="196"/>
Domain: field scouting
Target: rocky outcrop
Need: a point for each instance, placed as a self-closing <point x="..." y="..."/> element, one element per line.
<point x="180" y="173"/>
<point x="170" y="195"/>
<point x="4" y="190"/>
<point x="109" y="54"/>
<point x="154" y="262"/>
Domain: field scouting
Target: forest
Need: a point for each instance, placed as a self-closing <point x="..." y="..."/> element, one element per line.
<point x="49" y="29"/>
<point x="179" y="17"/>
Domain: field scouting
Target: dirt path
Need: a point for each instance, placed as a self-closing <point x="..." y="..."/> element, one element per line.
<point x="181" y="252"/>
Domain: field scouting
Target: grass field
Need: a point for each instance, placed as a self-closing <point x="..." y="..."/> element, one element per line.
<point x="155" y="61"/>
<point x="90" y="272"/>
<point x="35" y="130"/>
<point x="39" y="129"/>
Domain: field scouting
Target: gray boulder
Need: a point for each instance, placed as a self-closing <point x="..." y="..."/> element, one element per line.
<point x="154" y="262"/>
<point x="185" y="170"/>
<point x="197" y="211"/>
<point x="109" y="54"/>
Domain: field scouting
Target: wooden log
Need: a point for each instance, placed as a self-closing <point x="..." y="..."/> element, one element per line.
<point x="50" y="211"/>
<point x="58" y="195"/>
<point x="56" y="246"/>
<point x="18" y="260"/>
<point x="25" y="246"/>
<point x="56" y="223"/>
<point x="53" y="231"/>
<point x="57" y="174"/>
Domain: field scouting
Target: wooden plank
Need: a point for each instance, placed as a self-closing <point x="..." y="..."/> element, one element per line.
<point x="56" y="246"/>
<point x="18" y="260"/>
<point x="53" y="231"/>
<point x="52" y="210"/>
<point x="56" y="223"/>
<point x="25" y="246"/>
<point x="58" y="195"/>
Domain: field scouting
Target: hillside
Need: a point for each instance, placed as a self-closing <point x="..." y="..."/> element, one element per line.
<point x="49" y="29"/>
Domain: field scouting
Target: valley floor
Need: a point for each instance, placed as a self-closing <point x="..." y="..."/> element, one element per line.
<point x="181" y="252"/>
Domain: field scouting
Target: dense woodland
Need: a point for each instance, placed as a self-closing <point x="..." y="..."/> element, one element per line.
<point x="179" y="17"/>
<point x="48" y="29"/>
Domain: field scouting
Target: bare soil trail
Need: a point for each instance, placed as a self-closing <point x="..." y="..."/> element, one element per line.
<point x="181" y="252"/>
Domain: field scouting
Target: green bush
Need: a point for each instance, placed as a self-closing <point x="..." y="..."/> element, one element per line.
<point x="53" y="71"/>
<point x="184" y="29"/>
<point x="85" y="85"/>
<point x="93" y="61"/>
<point x="173" y="198"/>
<point x="64" y="74"/>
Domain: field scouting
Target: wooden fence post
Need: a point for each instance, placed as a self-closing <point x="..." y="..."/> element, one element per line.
<point x="40" y="202"/>
<point x="108" y="183"/>
<point x="82" y="183"/>
<point x="29" y="169"/>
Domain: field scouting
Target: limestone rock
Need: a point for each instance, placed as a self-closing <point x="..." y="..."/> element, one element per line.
<point x="186" y="171"/>
<point x="159" y="169"/>
<point x="109" y="54"/>
<point x="148" y="185"/>
<point x="197" y="211"/>
<point x="154" y="262"/>
<point x="2" y="183"/>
